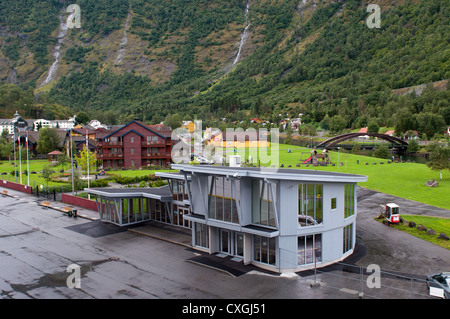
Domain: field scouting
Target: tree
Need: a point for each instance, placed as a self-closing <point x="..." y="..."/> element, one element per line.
<point x="413" y="146"/>
<point x="337" y="124"/>
<point x="439" y="158"/>
<point x="6" y="148"/>
<point x="47" y="174"/>
<point x="373" y="127"/>
<point x="63" y="159"/>
<point x="82" y="118"/>
<point x="83" y="159"/>
<point x="382" y="152"/>
<point x="174" y="121"/>
<point x="48" y="140"/>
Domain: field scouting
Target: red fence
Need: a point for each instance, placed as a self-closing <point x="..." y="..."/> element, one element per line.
<point x="16" y="186"/>
<point x="79" y="201"/>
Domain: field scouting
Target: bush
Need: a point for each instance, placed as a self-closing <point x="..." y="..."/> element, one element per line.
<point x="135" y="179"/>
<point x="382" y="152"/>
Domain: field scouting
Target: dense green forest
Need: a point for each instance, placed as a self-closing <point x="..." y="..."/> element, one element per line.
<point x="324" y="62"/>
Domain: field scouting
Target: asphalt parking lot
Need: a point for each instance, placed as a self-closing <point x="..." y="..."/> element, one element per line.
<point x="37" y="245"/>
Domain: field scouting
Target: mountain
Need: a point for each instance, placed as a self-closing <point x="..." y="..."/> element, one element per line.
<point x="229" y="59"/>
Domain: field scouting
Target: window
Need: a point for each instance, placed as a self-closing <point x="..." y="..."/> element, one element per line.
<point x="132" y="151"/>
<point x="201" y="235"/>
<point x="263" y="203"/>
<point x="179" y="190"/>
<point x="310" y="204"/>
<point x="222" y="201"/>
<point x="264" y="250"/>
<point x="309" y="247"/>
<point x="348" y="238"/>
<point x="333" y="203"/>
<point x="132" y="163"/>
<point x="349" y="206"/>
<point x="132" y="139"/>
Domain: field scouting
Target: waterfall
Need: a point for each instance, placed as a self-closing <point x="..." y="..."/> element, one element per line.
<point x="124" y="41"/>
<point x="300" y="9"/>
<point x="56" y="55"/>
<point x="244" y="34"/>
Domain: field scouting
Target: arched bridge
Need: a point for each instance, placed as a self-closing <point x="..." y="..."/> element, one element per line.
<point x="337" y="139"/>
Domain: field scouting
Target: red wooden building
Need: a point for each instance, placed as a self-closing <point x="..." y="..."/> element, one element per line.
<point x="135" y="145"/>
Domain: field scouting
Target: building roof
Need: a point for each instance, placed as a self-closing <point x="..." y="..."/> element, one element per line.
<point x="55" y="153"/>
<point x="161" y="130"/>
<point x="162" y="193"/>
<point x="363" y="130"/>
<point x="273" y="173"/>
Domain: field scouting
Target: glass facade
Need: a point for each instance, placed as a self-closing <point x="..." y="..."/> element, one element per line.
<point x="263" y="203"/>
<point x="158" y="211"/>
<point x="108" y="210"/>
<point x="134" y="210"/>
<point x="309" y="247"/>
<point x="201" y="235"/>
<point x="349" y="200"/>
<point x="347" y="238"/>
<point x="222" y="201"/>
<point x="264" y="250"/>
<point x="179" y="190"/>
<point x="310" y="204"/>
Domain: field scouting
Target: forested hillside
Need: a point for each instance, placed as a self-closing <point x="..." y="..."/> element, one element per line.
<point x="230" y="59"/>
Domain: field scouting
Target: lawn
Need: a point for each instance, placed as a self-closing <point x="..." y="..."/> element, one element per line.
<point x="38" y="165"/>
<point x="35" y="165"/>
<point x="406" y="180"/>
<point x="439" y="225"/>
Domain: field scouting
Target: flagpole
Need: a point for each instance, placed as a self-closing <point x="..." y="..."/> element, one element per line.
<point x="87" y="154"/>
<point x="71" y="160"/>
<point x="20" y="160"/>
<point x="28" y="163"/>
<point x="15" y="162"/>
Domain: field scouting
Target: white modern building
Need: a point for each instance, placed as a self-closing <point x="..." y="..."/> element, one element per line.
<point x="284" y="221"/>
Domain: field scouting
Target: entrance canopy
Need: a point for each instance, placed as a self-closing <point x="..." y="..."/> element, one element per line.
<point x="127" y="206"/>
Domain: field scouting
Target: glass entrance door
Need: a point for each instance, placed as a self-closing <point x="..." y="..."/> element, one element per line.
<point x="225" y="240"/>
<point x="239" y="244"/>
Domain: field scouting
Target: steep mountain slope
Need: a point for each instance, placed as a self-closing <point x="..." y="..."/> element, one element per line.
<point x="230" y="58"/>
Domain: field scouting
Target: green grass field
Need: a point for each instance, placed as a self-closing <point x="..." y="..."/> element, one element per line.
<point x="34" y="165"/>
<point x="440" y="225"/>
<point x="406" y="180"/>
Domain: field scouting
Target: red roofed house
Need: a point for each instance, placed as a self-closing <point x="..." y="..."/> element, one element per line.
<point x="134" y="145"/>
<point x="363" y="130"/>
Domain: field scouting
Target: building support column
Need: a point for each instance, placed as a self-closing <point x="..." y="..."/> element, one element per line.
<point x="247" y="248"/>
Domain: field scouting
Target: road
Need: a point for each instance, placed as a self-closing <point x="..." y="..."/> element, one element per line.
<point x="37" y="245"/>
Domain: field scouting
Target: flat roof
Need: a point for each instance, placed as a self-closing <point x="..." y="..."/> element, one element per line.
<point x="162" y="193"/>
<point x="173" y="175"/>
<point x="273" y="173"/>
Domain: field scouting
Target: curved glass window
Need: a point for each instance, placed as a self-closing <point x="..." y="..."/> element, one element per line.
<point x="310" y="204"/>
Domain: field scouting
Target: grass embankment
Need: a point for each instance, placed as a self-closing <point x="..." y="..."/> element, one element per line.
<point x="439" y="225"/>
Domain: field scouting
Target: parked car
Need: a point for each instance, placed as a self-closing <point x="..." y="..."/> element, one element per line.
<point x="442" y="281"/>
<point x="203" y="160"/>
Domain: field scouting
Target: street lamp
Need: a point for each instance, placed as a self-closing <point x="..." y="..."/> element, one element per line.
<point x="20" y="124"/>
<point x="338" y="158"/>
